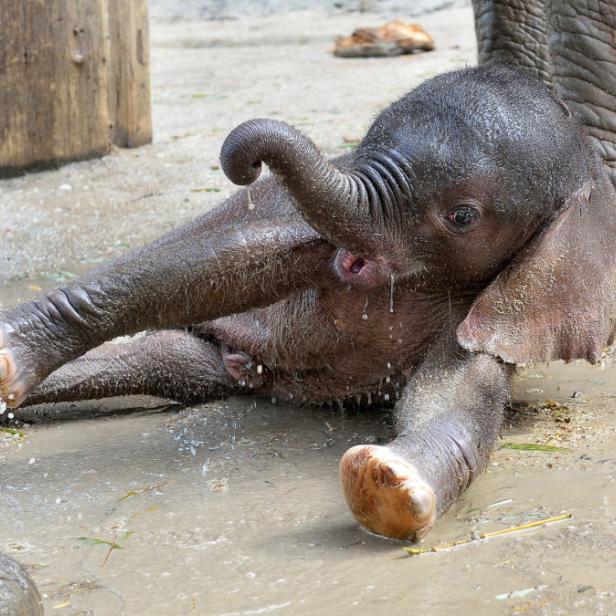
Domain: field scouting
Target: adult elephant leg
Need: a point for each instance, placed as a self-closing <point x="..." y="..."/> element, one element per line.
<point x="514" y="32"/>
<point x="170" y="364"/>
<point x="168" y="284"/>
<point x="448" y="420"/>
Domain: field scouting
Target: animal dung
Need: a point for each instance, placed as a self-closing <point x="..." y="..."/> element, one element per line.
<point x="391" y="39"/>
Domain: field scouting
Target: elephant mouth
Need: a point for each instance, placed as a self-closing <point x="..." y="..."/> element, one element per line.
<point x="358" y="270"/>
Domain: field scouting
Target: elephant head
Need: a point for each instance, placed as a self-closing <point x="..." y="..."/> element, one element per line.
<point x="477" y="180"/>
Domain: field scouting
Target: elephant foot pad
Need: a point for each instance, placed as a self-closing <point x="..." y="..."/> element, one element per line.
<point x="386" y="493"/>
<point x="13" y="384"/>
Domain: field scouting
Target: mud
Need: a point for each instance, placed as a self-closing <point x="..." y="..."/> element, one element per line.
<point x="234" y="507"/>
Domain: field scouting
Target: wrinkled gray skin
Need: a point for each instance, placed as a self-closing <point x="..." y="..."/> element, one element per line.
<point x="353" y="279"/>
<point x="18" y="595"/>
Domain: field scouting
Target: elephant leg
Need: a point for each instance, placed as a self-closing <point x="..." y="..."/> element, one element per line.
<point x="169" y="364"/>
<point x="191" y="278"/>
<point x="514" y="33"/>
<point x="448" y="420"/>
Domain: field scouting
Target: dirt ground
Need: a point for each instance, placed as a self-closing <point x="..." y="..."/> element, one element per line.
<point x="233" y="508"/>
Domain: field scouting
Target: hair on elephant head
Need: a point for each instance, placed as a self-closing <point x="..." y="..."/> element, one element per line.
<point x="477" y="178"/>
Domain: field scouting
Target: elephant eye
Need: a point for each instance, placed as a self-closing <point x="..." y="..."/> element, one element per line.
<point x="463" y="216"/>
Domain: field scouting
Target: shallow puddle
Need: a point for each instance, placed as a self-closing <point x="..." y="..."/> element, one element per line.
<point x="234" y="508"/>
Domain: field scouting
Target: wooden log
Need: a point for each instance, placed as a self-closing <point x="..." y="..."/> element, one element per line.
<point x="129" y="80"/>
<point x="53" y="82"/>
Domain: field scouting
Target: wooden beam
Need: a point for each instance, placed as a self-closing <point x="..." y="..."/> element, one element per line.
<point x="129" y="82"/>
<point x="54" y="82"/>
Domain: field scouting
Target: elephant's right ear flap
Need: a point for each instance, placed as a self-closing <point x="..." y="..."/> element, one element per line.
<point x="557" y="299"/>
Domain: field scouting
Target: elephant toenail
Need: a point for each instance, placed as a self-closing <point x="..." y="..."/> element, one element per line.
<point x="4" y="368"/>
<point x="423" y="501"/>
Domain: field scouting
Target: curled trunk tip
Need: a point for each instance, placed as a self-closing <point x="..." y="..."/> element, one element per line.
<point x="344" y="206"/>
<point x="240" y="160"/>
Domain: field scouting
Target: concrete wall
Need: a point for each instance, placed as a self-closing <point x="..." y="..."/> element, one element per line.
<point x="221" y="9"/>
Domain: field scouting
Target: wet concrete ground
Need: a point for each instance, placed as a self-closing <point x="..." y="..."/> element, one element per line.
<point x="234" y="507"/>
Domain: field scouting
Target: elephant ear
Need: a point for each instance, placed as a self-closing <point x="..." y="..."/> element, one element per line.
<point x="557" y="299"/>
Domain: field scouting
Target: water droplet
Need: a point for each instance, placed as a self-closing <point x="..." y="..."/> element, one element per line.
<point x="11" y="415"/>
<point x="389" y="365"/>
<point x="260" y="369"/>
<point x="388" y="379"/>
<point x="386" y="397"/>
<point x="364" y="315"/>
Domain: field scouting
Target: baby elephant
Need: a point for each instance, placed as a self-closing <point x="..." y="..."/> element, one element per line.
<point x="473" y="228"/>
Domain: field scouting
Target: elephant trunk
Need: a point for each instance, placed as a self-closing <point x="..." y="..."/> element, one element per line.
<point x="355" y="208"/>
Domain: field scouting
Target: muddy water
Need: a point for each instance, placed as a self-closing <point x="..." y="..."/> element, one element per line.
<point x="234" y="508"/>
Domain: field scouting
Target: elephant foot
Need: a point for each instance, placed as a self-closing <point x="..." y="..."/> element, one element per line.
<point x="16" y="377"/>
<point x="386" y="493"/>
<point x="38" y="337"/>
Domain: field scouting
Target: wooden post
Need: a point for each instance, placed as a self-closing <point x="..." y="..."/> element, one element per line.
<point x="53" y="82"/>
<point x="129" y="78"/>
<point x="59" y="62"/>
